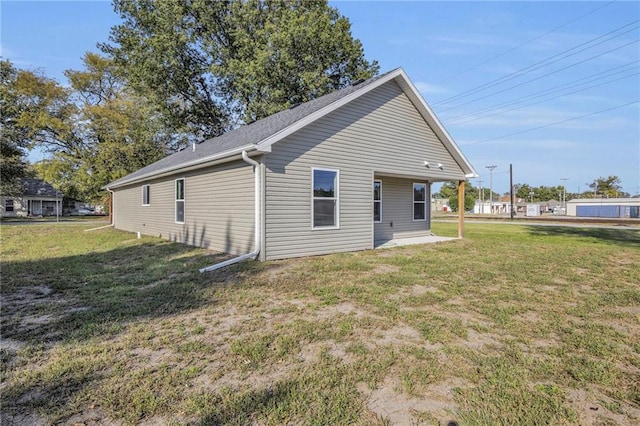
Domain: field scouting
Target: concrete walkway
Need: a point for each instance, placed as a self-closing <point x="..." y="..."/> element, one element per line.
<point x="415" y="240"/>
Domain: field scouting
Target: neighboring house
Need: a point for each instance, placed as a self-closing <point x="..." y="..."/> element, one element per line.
<point x="604" y="207"/>
<point x="344" y="172"/>
<point x="38" y="198"/>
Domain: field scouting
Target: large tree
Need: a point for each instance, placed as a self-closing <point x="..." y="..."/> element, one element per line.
<point x="119" y="130"/>
<point x="36" y="111"/>
<point x="95" y="130"/>
<point x="12" y="142"/>
<point x="214" y="65"/>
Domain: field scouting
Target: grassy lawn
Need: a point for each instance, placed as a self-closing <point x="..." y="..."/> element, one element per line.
<point x="515" y="325"/>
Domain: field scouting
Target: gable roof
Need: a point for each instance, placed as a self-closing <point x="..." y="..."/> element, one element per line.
<point x="261" y="134"/>
<point x="38" y="188"/>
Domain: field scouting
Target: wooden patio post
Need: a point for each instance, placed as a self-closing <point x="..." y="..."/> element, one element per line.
<point x="461" y="209"/>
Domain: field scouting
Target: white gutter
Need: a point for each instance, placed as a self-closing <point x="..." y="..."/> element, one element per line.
<point x="257" y="230"/>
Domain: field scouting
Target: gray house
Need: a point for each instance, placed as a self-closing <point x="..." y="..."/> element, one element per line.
<point x="343" y="172"/>
<point x="37" y="198"/>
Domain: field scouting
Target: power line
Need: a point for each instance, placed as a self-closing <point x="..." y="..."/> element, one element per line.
<point x="541" y="77"/>
<point x="552" y="124"/>
<point x="474" y="118"/>
<point x="541" y="64"/>
<point x="524" y="43"/>
<point x="546" y="99"/>
<point x="590" y="78"/>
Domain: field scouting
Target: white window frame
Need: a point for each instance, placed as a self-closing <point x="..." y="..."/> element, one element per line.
<point x="9" y="203"/>
<point x="413" y="204"/>
<point x="336" y="198"/>
<point x="184" y="196"/>
<point x="377" y="201"/>
<point x="146" y="190"/>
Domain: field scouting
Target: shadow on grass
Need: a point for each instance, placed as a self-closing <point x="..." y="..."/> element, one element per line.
<point x="83" y="296"/>
<point x="627" y="237"/>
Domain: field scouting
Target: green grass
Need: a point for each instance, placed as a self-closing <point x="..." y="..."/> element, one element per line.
<point x="513" y="325"/>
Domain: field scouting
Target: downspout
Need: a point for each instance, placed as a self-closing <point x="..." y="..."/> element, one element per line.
<point x="112" y="213"/>
<point x="256" y="227"/>
<point x="112" y="218"/>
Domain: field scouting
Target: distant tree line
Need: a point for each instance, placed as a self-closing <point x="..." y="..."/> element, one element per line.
<point x="610" y="187"/>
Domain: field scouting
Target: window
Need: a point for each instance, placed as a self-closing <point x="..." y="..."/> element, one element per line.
<point x="325" y="205"/>
<point x="179" y="200"/>
<point x="377" y="201"/>
<point x="8" y="205"/>
<point x="419" y="201"/>
<point x="146" y="194"/>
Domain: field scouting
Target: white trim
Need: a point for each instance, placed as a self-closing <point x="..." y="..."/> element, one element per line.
<point x="146" y="188"/>
<point x="413" y="201"/>
<point x="336" y="198"/>
<point x="377" y="201"/>
<point x="175" y="198"/>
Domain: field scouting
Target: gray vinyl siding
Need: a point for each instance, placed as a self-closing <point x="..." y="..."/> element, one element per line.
<point x="397" y="210"/>
<point x="379" y="133"/>
<point x="219" y="209"/>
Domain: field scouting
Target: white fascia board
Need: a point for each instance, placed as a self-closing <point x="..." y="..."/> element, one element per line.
<point x="437" y="126"/>
<point x="265" y="144"/>
<point x="189" y="165"/>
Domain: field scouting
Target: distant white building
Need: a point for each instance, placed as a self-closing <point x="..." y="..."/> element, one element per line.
<point x="604" y="207"/>
<point x="495" y="207"/>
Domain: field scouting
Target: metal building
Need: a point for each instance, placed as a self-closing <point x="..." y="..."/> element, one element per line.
<point x="604" y="207"/>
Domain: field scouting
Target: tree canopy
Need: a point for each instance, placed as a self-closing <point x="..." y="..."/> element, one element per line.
<point x="95" y="130"/>
<point x="35" y="111"/>
<point x="213" y="65"/>
<point x="450" y="190"/>
<point x="609" y="187"/>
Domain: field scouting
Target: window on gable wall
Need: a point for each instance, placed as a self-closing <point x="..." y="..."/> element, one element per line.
<point x="180" y="196"/>
<point x="8" y="205"/>
<point x="325" y="205"/>
<point x="419" y="201"/>
<point x="377" y="201"/>
<point x="146" y="195"/>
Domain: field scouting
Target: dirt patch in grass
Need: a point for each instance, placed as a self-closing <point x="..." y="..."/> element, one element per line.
<point x="385" y="269"/>
<point x="506" y="326"/>
<point x="595" y="410"/>
<point x="393" y="406"/>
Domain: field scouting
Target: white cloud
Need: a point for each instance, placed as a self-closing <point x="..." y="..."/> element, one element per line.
<point x="424" y="88"/>
<point x="472" y="39"/>
<point x="534" y="117"/>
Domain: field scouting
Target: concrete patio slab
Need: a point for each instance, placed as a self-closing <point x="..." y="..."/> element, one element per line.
<point x="412" y="241"/>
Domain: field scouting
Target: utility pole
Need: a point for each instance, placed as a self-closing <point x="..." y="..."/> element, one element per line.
<point x="564" y="193"/>
<point x="511" y="212"/>
<point x="491" y="187"/>
<point x="480" y="205"/>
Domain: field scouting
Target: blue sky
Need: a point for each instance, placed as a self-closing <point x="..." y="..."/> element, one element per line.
<point x="497" y="74"/>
